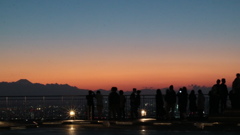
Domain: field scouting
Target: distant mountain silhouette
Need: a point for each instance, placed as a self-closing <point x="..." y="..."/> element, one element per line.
<point x="23" y="87"/>
<point x="23" y="82"/>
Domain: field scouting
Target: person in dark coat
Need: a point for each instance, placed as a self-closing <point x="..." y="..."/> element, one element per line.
<point x="200" y="104"/>
<point x="90" y="104"/>
<point x="192" y="103"/>
<point x="99" y="101"/>
<point x="214" y="98"/>
<point x="133" y="103"/>
<point x="223" y="95"/>
<point x="182" y="102"/>
<point x="122" y="99"/>
<point x="236" y="91"/>
<point x="113" y="100"/>
<point x="170" y="99"/>
<point x="137" y="103"/>
<point x="159" y="105"/>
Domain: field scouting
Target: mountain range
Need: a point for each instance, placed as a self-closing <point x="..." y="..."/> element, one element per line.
<point x="24" y="87"/>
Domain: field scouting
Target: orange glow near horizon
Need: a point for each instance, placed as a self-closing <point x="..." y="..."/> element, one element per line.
<point x="94" y="70"/>
<point x="127" y="81"/>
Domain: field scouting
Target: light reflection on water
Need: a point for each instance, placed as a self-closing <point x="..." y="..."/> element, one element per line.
<point x="78" y="130"/>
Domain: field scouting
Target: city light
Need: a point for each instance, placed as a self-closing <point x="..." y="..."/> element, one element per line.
<point x="72" y="113"/>
<point x="143" y="113"/>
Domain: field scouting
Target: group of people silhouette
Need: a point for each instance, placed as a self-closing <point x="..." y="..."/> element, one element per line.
<point x="166" y="105"/>
<point x="219" y="94"/>
<point x="167" y="110"/>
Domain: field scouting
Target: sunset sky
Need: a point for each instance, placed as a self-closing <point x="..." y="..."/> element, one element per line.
<point x="97" y="44"/>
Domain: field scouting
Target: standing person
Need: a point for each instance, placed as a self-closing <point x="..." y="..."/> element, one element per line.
<point x="99" y="99"/>
<point x="90" y="104"/>
<point x="132" y="103"/>
<point x="236" y="91"/>
<point x="122" y="105"/>
<point x="138" y="103"/>
<point x="159" y="105"/>
<point x="200" y="104"/>
<point x="170" y="99"/>
<point x="223" y="95"/>
<point x="113" y="100"/>
<point x="192" y="103"/>
<point x="214" y="97"/>
<point x="182" y="102"/>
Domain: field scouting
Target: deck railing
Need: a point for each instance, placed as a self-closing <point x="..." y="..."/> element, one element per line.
<point x="58" y="107"/>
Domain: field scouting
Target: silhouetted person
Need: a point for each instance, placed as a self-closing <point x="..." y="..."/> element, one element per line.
<point x="99" y="99"/>
<point x="192" y="103"/>
<point x="138" y="103"/>
<point x="214" y="98"/>
<point x="159" y="105"/>
<point x="122" y="105"/>
<point x="90" y="104"/>
<point x="223" y="95"/>
<point x="182" y="102"/>
<point x="236" y="91"/>
<point x="133" y="103"/>
<point x="170" y="99"/>
<point x="200" y="104"/>
<point x="113" y="100"/>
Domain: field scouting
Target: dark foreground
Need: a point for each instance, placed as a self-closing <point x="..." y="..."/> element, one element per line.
<point x="144" y="125"/>
<point x="73" y="129"/>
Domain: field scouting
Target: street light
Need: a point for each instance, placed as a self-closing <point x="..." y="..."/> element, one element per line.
<point x="143" y="113"/>
<point x="72" y="113"/>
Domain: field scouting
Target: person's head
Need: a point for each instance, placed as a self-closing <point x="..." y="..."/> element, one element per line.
<point x="171" y="87"/>
<point x="238" y="75"/>
<point x="121" y="92"/>
<point x="134" y="89"/>
<point x="223" y="80"/>
<point x="218" y="81"/>
<point x="159" y="91"/>
<point x="192" y="92"/>
<point x="90" y="92"/>
<point x="184" y="89"/>
<point x="199" y="91"/>
<point x="114" y="89"/>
